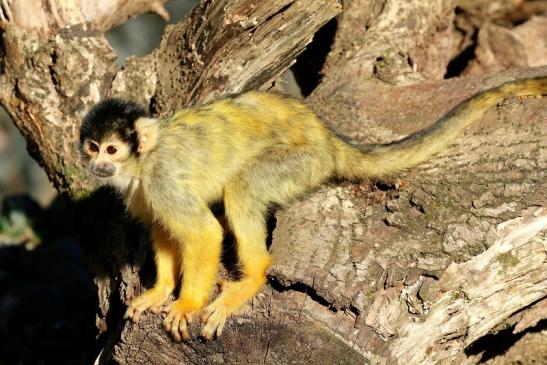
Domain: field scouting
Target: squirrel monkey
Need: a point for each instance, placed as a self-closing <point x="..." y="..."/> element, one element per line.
<point x="249" y="151"/>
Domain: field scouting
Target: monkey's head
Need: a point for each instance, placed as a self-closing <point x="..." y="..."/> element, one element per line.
<point x="114" y="134"/>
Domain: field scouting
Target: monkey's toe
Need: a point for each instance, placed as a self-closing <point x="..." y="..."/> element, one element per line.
<point x="134" y="313"/>
<point x="152" y="299"/>
<point x="176" y="323"/>
<point x="214" y="316"/>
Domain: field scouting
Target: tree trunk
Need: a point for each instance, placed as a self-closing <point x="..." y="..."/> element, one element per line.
<point x="412" y="269"/>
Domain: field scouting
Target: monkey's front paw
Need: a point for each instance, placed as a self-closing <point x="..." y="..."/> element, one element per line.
<point x="179" y="316"/>
<point x="152" y="299"/>
<point x="215" y="316"/>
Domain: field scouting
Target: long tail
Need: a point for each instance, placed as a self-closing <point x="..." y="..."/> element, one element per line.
<point x="354" y="162"/>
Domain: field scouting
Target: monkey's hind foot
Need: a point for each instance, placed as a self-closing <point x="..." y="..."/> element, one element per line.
<point x="234" y="295"/>
<point x="152" y="299"/>
<point x="179" y="316"/>
<point x="215" y="316"/>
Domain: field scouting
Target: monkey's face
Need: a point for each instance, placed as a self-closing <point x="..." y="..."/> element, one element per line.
<point x="106" y="158"/>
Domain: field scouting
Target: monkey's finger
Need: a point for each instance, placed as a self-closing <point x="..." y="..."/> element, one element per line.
<point x="175" y="328"/>
<point x="184" y="330"/>
<point x="206" y="314"/>
<point x="207" y="333"/>
<point x="210" y="327"/>
<point x="220" y="327"/>
<point x="188" y="318"/>
<point x="167" y="321"/>
<point x="132" y="313"/>
<point x="156" y="309"/>
<point x="136" y="315"/>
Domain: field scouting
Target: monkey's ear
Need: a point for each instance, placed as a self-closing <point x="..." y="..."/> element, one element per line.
<point x="147" y="133"/>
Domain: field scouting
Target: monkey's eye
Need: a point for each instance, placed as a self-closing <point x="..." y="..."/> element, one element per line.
<point x="93" y="147"/>
<point x="111" y="150"/>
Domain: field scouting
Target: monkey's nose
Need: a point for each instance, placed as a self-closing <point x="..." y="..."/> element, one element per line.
<point x="103" y="169"/>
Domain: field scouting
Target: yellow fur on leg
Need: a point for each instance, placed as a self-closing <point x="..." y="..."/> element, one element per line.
<point x="200" y="260"/>
<point x="249" y="229"/>
<point x="167" y="267"/>
<point x="234" y="295"/>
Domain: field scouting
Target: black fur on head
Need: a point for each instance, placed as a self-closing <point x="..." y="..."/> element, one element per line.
<point x="112" y="116"/>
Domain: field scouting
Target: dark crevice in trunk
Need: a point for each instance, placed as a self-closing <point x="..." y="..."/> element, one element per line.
<point x="308" y="66"/>
<point x="312" y="293"/>
<point x="459" y="63"/>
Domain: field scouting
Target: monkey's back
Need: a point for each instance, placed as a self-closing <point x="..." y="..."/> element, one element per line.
<point x="257" y="118"/>
<point x="212" y="143"/>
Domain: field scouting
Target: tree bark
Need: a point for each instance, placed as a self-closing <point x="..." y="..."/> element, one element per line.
<point x="413" y="269"/>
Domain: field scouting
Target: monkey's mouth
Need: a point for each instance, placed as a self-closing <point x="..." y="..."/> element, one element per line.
<point x="102" y="169"/>
<point x="103" y="174"/>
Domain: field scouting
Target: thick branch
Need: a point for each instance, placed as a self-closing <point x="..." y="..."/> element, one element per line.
<point x="479" y="294"/>
<point x="51" y="15"/>
<point x="224" y="47"/>
<point x="360" y="248"/>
